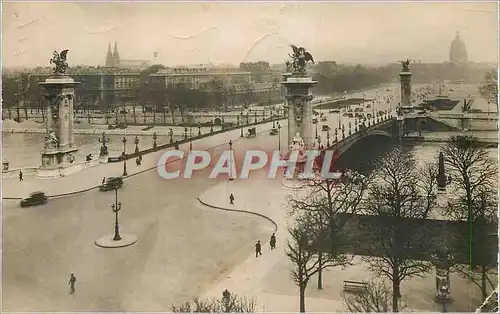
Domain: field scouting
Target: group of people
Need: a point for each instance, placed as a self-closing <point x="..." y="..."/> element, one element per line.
<point x="258" y="246"/>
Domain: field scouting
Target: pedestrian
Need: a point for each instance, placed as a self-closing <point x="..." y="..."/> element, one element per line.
<point x="138" y="161"/>
<point x="258" y="249"/>
<point x="272" y="242"/>
<point x="231" y="199"/>
<point x="20" y="175"/>
<point x="72" y="280"/>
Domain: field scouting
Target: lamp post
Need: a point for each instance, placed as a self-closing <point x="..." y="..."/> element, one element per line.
<point x="327" y="139"/>
<point x="255" y="114"/>
<point x="124" y="156"/>
<point x="104" y="148"/>
<point x="350" y="131"/>
<point x="116" y="208"/>
<point x="274" y="124"/>
<point x="154" y="140"/>
<point x="185" y="133"/>
<point x="343" y="131"/>
<point x="279" y="135"/>
<point x="199" y="129"/>
<point x="171" y="134"/>
<point x="336" y="135"/>
<point x="136" y="142"/>
<point x="230" y="160"/>
<point x="238" y="120"/>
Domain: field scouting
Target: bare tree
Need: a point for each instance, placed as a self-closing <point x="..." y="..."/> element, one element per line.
<point x="325" y="200"/>
<point x="376" y="298"/>
<point x="398" y="192"/>
<point x="489" y="88"/>
<point x="227" y="304"/>
<point x="475" y="182"/>
<point x="302" y="249"/>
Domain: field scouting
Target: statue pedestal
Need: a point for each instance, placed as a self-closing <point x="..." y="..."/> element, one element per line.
<point x="57" y="162"/>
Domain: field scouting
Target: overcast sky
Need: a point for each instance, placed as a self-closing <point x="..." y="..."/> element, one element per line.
<point x="190" y="33"/>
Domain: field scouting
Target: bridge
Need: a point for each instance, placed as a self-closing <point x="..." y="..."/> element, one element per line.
<point x="483" y="141"/>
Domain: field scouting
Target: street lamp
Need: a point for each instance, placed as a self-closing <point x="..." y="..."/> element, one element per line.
<point x="230" y="160"/>
<point x="343" y="131"/>
<point x="255" y="114"/>
<point x="327" y="139"/>
<point x="104" y="148"/>
<point x="272" y="118"/>
<point x="336" y="135"/>
<point x="136" y="142"/>
<point x="154" y="140"/>
<point x="350" y="132"/>
<point x="279" y="135"/>
<point x="171" y="134"/>
<point x="116" y="208"/>
<point x="124" y="156"/>
<point x="185" y="133"/>
<point x="316" y="124"/>
<point x="199" y="129"/>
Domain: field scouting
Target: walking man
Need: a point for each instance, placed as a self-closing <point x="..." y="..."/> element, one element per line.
<point x="231" y="199"/>
<point x="20" y="175"/>
<point x="72" y="280"/>
<point x="272" y="242"/>
<point x="258" y="249"/>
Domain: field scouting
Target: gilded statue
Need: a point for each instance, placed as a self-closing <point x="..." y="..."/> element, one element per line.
<point x="59" y="60"/>
<point x="298" y="60"/>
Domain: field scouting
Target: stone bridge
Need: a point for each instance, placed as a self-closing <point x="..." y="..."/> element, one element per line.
<point x="382" y="126"/>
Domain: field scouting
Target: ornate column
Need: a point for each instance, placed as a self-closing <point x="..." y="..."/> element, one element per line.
<point x="59" y="149"/>
<point x="405" y="78"/>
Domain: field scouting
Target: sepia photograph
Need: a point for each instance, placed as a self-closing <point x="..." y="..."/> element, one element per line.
<point x="241" y="157"/>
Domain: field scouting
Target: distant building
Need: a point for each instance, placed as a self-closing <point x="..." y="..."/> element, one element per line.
<point x="261" y="72"/>
<point x="113" y="61"/>
<point x="458" y="51"/>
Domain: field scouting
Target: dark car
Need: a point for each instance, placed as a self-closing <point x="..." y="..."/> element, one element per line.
<point x="35" y="198"/>
<point x="111" y="183"/>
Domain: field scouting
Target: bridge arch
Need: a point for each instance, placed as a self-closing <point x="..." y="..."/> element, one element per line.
<point x="362" y="137"/>
<point x="218" y="121"/>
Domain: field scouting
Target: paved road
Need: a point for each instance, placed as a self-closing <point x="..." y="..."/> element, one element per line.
<point x="183" y="247"/>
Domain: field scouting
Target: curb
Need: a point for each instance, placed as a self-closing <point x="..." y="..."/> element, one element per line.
<point x="240" y="211"/>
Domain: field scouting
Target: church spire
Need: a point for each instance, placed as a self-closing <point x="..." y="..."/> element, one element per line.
<point x="116" y="56"/>
<point x="109" y="56"/>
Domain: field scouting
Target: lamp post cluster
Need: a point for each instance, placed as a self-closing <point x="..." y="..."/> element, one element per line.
<point x="104" y="148"/>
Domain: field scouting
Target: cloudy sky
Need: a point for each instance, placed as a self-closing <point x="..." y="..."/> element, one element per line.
<point x="190" y="33"/>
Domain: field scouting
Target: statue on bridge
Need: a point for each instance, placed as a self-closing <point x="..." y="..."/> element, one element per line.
<point x="59" y="60"/>
<point x="405" y="65"/>
<point x="298" y="61"/>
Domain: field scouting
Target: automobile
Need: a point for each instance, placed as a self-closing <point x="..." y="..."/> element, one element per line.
<point x="273" y="131"/>
<point x="359" y="109"/>
<point x="368" y="106"/>
<point x="325" y="128"/>
<point x="111" y="183"/>
<point x="35" y="198"/>
<point x="334" y="111"/>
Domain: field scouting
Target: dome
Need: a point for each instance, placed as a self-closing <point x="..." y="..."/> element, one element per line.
<point x="458" y="52"/>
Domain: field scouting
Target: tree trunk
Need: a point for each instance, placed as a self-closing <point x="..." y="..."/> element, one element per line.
<point x="395" y="295"/>
<point x="18" y="115"/>
<point x="302" y="299"/>
<point x="25" y="112"/>
<point x="484" y="278"/>
<point x="154" y="115"/>
<point x="320" y="271"/>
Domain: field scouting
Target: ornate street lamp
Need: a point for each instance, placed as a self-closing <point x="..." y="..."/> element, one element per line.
<point x="350" y="131"/>
<point x="355" y="125"/>
<point x="343" y="131"/>
<point x="185" y="133"/>
<point x="255" y="114"/>
<point x="104" y="148"/>
<point x="136" y="142"/>
<point x="336" y="131"/>
<point x="116" y="208"/>
<point x="443" y="260"/>
<point x="279" y="135"/>
<point x="230" y="160"/>
<point x="154" y="140"/>
<point x="327" y="139"/>
<point x="238" y="120"/>
<point x="171" y="134"/>
<point x="248" y="121"/>
<point x="124" y="156"/>
<point x="199" y="129"/>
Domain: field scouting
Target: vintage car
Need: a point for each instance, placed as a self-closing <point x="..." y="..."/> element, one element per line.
<point x="35" y="198"/>
<point x="325" y="128"/>
<point x="273" y="131"/>
<point x="111" y="183"/>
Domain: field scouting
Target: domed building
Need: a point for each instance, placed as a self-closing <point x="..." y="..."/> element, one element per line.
<point x="458" y="52"/>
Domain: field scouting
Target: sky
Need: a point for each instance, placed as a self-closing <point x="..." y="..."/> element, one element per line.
<point x="234" y="32"/>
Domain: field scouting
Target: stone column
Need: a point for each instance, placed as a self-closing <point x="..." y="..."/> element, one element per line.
<point x="292" y="127"/>
<point x="405" y="78"/>
<point x="307" y="121"/>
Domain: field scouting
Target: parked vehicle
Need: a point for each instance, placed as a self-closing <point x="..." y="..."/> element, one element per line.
<point x="273" y="132"/>
<point x="111" y="183"/>
<point x="325" y="128"/>
<point x="35" y="198"/>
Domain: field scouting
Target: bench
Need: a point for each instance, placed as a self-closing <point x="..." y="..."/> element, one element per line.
<point x="355" y="286"/>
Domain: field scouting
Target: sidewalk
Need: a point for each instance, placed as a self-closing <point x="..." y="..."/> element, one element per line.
<point x="92" y="177"/>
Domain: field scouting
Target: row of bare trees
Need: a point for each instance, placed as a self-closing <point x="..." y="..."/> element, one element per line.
<point x="398" y="193"/>
<point x="330" y="216"/>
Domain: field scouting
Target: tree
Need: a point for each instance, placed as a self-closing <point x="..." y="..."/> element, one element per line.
<point x="399" y="193"/>
<point x="325" y="200"/>
<point x="474" y="175"/>
<point x="377" y="298"/>
<point x="302" y="249"/>
<point x="489" y="88"/>
<point x="227" y="304"/>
